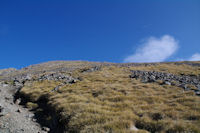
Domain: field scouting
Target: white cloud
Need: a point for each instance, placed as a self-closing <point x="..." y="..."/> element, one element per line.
<point x="154" y="50"/>
<point x="195" y="57"/>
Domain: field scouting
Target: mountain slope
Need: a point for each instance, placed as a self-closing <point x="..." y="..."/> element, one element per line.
<point x="109" y="97"/>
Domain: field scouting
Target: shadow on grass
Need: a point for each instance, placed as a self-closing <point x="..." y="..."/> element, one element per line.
<point x="44" y="113"/>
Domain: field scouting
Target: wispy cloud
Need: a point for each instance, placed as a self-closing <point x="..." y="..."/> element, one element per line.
<point x="195" y="57"/>
<point x="154" y="50"/>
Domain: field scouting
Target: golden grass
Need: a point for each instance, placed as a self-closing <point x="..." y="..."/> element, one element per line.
<point x="110" y="101"/>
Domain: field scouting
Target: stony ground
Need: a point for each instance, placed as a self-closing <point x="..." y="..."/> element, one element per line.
<point x="13" y="117"/>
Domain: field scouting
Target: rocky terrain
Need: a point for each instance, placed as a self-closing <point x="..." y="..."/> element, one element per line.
<point x="185" y="82"/>
<point x="13" y="117"/>
<point x="87" y="97"/>
<point x="7" y="71"/>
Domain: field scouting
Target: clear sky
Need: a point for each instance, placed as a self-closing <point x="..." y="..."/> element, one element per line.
<point x="34" y="31"/>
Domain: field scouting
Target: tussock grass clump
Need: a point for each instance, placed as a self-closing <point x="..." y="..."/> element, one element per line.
<point x="31" y="106"/>
<point x="109" y="101"/>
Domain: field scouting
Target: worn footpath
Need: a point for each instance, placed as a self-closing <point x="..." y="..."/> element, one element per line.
<point x="13" y="117"/>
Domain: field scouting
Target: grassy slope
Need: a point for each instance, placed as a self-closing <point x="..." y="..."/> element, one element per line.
<point x="108" y="100"/>
<point x="52" y="66"/>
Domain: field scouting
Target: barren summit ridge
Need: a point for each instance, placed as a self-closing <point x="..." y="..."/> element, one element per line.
<point x="77" y="96"/>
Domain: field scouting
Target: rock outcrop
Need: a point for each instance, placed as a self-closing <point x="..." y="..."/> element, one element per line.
<point x="58" y="77"/>
<point x="184" y="82"/>
<point x="19" y="81"/>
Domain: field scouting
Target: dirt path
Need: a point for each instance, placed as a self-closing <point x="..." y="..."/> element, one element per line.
<point x="15" y="118"/>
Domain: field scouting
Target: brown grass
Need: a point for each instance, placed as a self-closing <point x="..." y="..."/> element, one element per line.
<point x="109" y="101"/>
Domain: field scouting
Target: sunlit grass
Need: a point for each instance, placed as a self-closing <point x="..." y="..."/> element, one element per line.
<point x="110" y="101"/>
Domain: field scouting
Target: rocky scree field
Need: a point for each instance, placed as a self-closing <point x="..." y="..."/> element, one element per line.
<point x="107" y="97"/>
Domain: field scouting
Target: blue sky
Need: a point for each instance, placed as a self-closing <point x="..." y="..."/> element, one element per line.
<point x="98" y="30"/>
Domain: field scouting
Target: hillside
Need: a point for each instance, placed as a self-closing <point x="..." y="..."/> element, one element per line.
<point x="87" y="97"/>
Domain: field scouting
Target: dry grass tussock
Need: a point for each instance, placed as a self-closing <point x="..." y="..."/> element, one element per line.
<point x="109" y="101"/>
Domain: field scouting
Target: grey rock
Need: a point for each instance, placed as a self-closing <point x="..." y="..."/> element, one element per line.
<point x="145" y="80"/>
<point x="2" y="111"/>
<point x="34" y="120"/>
<point x="92" y="69"/>
<point x="46" y="129"/>
<point x="58" y="77"/>
<point x="4" y="130"/>
<point x="184" y="86"/>
<point x="167" y="78"/>
<point x="5" y="85"/>
<point x="195" y="81"/>
<point x="18" y="101"/>
<point x="197" y="93"/>
<point x="30" y="115"/>
<point x="19" y="111"/>
<point x="152" y="78"/>
<point x="198" y="87"/>
<point x="55" y="89"/>
<point x="167" y="82"/>
<point x="7" y="98"/>
<point x="1" y="108"/>
<point x="17" y="83"/>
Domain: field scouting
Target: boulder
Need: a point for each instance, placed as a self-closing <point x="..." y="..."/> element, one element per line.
<point x="46" y="129"/>
<point x="19" y="111"/>
<point x="152" y="78"/>
<point x="145" y="80"/>
<point x="197" y="93"/>
<point x="1" y="109"/>
<point x="198" y="87"/>
<point x="167" y="82"/>
<point x="185" y="87"/>
<point x="56" y="89"/>
<point x="2" y="113"/>
<point x="18" y="101"/>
